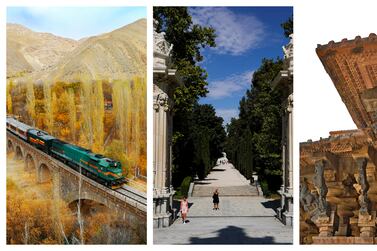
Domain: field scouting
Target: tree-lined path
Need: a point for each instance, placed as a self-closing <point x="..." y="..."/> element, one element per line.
<point x="245" y="217"/>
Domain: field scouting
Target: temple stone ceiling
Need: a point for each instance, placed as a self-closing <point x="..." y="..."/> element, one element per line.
<point x="352" y="66"/>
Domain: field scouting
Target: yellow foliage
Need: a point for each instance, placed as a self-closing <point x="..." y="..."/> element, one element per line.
<point x="9" y="97"/>
<point x="31" y="220"/>
<point x="75" y="112"/>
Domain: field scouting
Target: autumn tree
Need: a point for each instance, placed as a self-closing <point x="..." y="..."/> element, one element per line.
<point x="30" y="102"/>
<point x="10" y="87"/>
<point x="49" y="119"/>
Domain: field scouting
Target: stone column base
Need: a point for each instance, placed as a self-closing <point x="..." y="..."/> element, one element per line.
<point x="284" y="213"/>
<point x="326" y="224"/>
<point x="160" y="221"/>
<point x="162" y="207"/>
<point x="367" y="224"/>
<point x="344" y="240"/>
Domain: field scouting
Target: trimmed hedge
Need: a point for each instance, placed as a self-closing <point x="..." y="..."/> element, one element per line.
<point x="185" y="185"/>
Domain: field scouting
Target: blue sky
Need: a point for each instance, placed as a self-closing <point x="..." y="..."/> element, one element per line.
<point x="245" y="35"/>
<point x="74" y="22"/>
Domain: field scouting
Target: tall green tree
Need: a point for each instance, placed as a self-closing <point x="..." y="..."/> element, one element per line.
<point x="288" y="27"/>
<point x="253" y="141"/>
<point x="198" y="134"/>
<point x="188" y="39"/>
<point x="197" y="151"/>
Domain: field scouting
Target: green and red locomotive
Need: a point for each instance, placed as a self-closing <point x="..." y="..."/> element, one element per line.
<point x="95" y="166"/>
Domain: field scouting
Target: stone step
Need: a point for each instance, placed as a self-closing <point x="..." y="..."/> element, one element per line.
<point x="207" y="191"/>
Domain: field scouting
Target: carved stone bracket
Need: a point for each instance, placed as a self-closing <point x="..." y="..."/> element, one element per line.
<point x="320" y="183"/>
<point x="308" y="200"/>
<point x="362" y="180"/>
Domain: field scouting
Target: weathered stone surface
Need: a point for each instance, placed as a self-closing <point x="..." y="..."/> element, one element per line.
<point x="284" y="83"/>
<point x="164" y="82"/>
<point x="341" y="169"/>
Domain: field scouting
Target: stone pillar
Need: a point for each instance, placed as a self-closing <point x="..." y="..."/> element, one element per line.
<point x="164" y="82"/>
<point x="325" y="219"/>
<point x="367" y="218"/>
<point x="284" y="82"/>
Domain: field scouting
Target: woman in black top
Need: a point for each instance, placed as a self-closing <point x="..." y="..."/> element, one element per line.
<point x="216" y="200"/>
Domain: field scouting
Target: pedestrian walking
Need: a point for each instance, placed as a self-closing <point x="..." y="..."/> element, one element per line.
<point x="184" y="209"/>
<point x="216" y="200"/>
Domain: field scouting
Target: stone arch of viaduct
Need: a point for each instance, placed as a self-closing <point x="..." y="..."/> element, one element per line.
<point x="67" y="184"/>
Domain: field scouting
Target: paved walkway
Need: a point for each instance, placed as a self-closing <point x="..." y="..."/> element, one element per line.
<point x="243" y="218"/>
<point x="225" y="230"/>
<point x="228" y="180"/>
<point x="232" y="206"/>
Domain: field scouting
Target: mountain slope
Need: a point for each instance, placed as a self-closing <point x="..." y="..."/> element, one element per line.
<point x="120" y="54"/>
<point x="29" y="51"/>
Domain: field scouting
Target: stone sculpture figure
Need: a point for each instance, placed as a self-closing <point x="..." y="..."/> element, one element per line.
<point x="307" y="199"/>
<point x="161" y="100"/>
<point x="348" y="182"/>
<point x="223" y="160"/>
<point x="160" y="44"/>
<point x="362" y="180"/>
<point x="320" y="183"/>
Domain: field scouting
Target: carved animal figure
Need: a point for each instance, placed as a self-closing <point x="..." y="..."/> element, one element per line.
<point x="307" y="199"/>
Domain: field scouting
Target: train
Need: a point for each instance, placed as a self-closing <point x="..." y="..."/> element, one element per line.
<point x="103" y="170"/>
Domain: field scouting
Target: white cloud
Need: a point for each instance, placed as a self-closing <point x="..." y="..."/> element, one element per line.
<point x="227" y="114"/>
<point x="236" y="34"/>
<point x="230" y="85"/>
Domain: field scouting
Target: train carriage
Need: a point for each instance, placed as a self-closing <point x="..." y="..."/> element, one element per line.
<point x="18" y="128"/>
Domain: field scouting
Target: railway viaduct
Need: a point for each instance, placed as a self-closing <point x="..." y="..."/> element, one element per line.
<point x="70" y="186"/>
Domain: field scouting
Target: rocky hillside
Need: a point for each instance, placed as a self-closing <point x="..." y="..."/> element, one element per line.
<point x="29" y="51"/>
<point x="119" y="54"/>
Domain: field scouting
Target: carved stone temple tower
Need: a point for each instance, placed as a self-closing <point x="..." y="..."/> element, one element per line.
<point x="164" y="82"/>
<point x="284" y="82"/>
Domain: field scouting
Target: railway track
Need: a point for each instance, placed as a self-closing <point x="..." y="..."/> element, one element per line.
<point x="132" y="193"/>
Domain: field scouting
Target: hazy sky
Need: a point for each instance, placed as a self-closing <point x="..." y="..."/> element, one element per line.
<point x="74" y="22"/>
<point x="318" y="106"/>
<point x="245" y="35"/>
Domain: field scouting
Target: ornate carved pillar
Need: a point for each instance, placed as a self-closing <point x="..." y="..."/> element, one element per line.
<point x="284" y="82"/>
<point x="164" y="82"/>
<point x="367" y="218"/>
<point x="324" y="220"/>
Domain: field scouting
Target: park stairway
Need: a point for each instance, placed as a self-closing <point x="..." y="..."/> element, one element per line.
<point x="228" y="180"/>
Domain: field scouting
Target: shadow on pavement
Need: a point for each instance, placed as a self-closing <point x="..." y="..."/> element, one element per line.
<point x="202" y="182"/>
<point x="233" y="235"/>
<point x="217" y="170"/>
<point x="273" y="204"/>
<point x="205" y="180"/>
